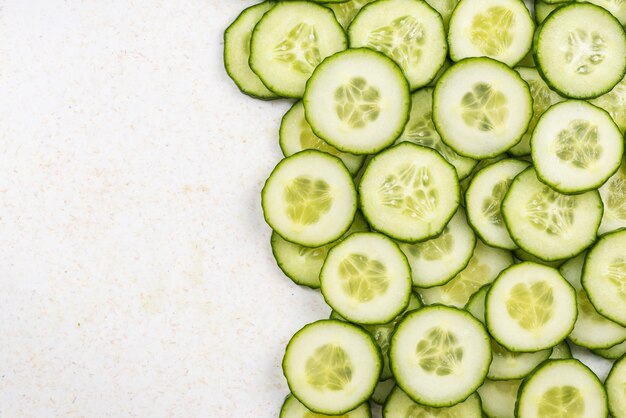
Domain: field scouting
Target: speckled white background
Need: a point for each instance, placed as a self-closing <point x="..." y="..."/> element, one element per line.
<point x="136" y="278"/>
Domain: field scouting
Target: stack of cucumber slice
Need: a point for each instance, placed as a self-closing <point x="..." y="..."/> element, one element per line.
<point x="454" y="184"/>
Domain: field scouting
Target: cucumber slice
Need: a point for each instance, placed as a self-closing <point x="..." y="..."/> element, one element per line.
<point x="437" y="261"/>
<point x="543" y="9"/>
<point x="292" y="408"/>
<point x="445" y="9"/>
<point x="616" y="389"/>
<point x="409" y="192"/>
<point x="346" y="11"/>
<point x="562" y="388"/>
<point x="613" y="194"/>
<point x="580" y="50"/>
<point x="484" y="198"/>
<point x="332" y="367"/>
<point x="548" y="224"/>
<point x="303" y="264"/>
<point x="358" y="101"/>
<point x="439" y="355"/>
<point x="576" y="147"/>
<point x="237" y="51"/>
<point x="290" y="41"/>
<point x="481" y="108"/>
<point x="420" y="130"/>
<point x="409" y="32"/>
<point x="382" y="391"/>
<point x="399" y="405"/>
<point x="483" y="268"/>
<point x="366" y="279"/>
<point x="613" y="352"/>
<point x="296" y="135"/>
<point x="592" y="330"/>
<point x="498" y="29"/>
<point x="309" y="199"/>
<point x="530" y="307"/>
<point x="616" y="7"/>
<point x="524" y="256"/>
<point x="604" y="276"/>
<point x="499" y="397"/>
<point x="476" y="304"/>
<point x="561" y="351"/>
<point x="614" y="102"/>
<point x="543" y="98"/>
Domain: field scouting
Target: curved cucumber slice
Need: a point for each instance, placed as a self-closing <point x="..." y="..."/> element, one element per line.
<point x="562" y="388"/>
<point x="358" y="101"/>
<point x="445" y="8"/>
<point x="580" y="50"/>
<point x="290" y="41"/>
<point x="409" y="32"/>
<point x="332" y="367"/>
<point x="561" y="351"/>
<point x="476" y="304"/>
<point x="613" y="194"/>
<point x="524" y="256"/>
<point x="481" y="108"/>
<point x="612" y="353"/>
<point x="616" y="7"/>
<point x="484" y="198"/>
<point x="592" y="330"/>
<point x="576" y="147"/>
<point x="399" y="405"/>
<point x="499" y="29"/>
<point x="237" y="51"/>
<point x="616" y="389"/>
<point x="409" y="192"/>
<point x="483" y="268"/>
<point x="439" y="355"/>
<point x="548" y="224"/>
<point x="346" y="11"/>
<point x="543" y="9"/>
<point x="382" y="391"/>
<point x="292" y="408"/>
<point x="366" y="279"/>
<point x="530" y="307"/>
<point x="499" y="397"/>
<point x="420" y="130"/>
<point x="604" y="276"/>
<point x="438" y="260"/>
<point x="309" y="199"/>
<point x="296" y="135"/>
<point x="614" y="102"/>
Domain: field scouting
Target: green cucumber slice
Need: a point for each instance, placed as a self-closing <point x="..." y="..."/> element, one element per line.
<point x="616" y="388"/>
<point x="544" y="8"/>
<point x="445" y="9"/>
<point x="346" y="11"/>
<point x="612" y="353"/>
<point x="561" y="351"/>
<point x="499" y="397"/>
<point x="382" y="391"/>
<point x="614" y="102"/>
<point x="399" y="405"/>
<point x="292" y="408"/>
<point x="616" y="7"/>
<point x="613" y="194"/>
<point x="524" y="256"/>
<point x="476" y="304"/>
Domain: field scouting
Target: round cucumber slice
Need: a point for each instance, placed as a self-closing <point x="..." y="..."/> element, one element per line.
<point x="400" y="405"/>
<point x="409" y="32"/>
<point x="499" y="397"/>
<point x="358" y="101"/>
<point x="562" y="388"/>
<point x="548" y="224"/>
<point x="292" y="408"/>
<point x="498" y="29"/>
<point x="612" y="353"/>
<point x="290" y="41"/>
<point x="613" y="194"/>
<point x="346" y="11"/>
<point x="409" y="192"/>
<point x="530" y="307"/>
<point x="614" y="102"/>
<point x="576" y="147"/>
<point x="616" y="7"/>
<point x="604" y="276"/>
<point x="309" y="199"/>
<point x="366" y="279"/>
<point x="481" y="107"/>
<point x="382" y="391"/>
<point x="580" y="50"/>
<point x="616" y="388"/>
<point x="439" y="355"/>
<point x="332" y="367"/>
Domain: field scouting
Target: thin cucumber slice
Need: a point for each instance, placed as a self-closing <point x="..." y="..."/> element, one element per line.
<point x="580" y="50"/>
<point x="548" y="224"/>
<point x="499" y="397"/>
<point x="296" y="135"/>
<point x="476" y="304"/>
<point x="439" y="355"/>
<point x="399" y="405"/>
<point x="613" y="194"/>
<point x="543" y="98"/>
<point x="420" y="130"/>
<point x="237" y="51"/>
<point x="614" y="102"/>
<point x="303" y="264"/>
<point x="613" y="352"/>
<point x="290" y="41"/>
<point x="346" y="11"/>
<point x="543" y="9"/>
<point x="409" y="32"/>
<point x="382" y="391"/>
<point x="524" y="256"/>
<point x="528" y="61"/>
<point x="483" y="268"/>
<point x="498" y="29"/>
<point x="576" y="147"/>
<point x="484" y="198"/>
<point x="446" y="64"/>
<point x="562" y="388"/>
<point x="358" y="101"/>
<point x="309" y="199"/>
<point x="409" y="192"/>
<point x="592" y="330"/>
<point x="481" y="108"/>
<point x="561" y="351"/>
<point x="530" y="307"/>
<point x="445" y="9"/>
<point x="604" y="276"/>
<point x="292" y="408"/>
<point x="332" y="367"/>
<point x="438" y="260"/>
<point x="616" y="388"/>
<point x="616" y="7"/>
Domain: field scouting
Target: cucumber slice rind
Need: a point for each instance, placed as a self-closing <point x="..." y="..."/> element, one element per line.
<point x="293" y="408"/>
<point x="615" y="383"/>
<point x="399" y="404"/>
